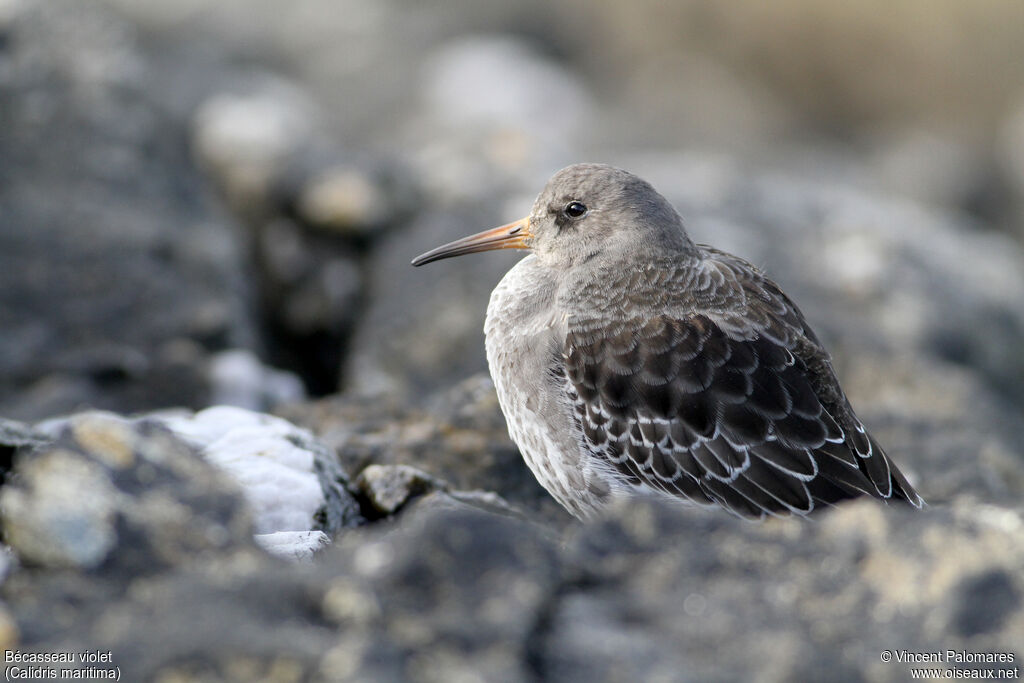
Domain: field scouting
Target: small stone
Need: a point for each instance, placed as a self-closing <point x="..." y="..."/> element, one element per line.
<point x="386" y="488"/>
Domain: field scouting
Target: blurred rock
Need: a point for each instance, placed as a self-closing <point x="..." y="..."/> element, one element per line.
<point x="423" y="327"/>
<point x="356" y="201"/>
<point x="459" y="584"/>
<point x="15" y="435"/>
<point x="121" y="275"/>
<point x="293" y="545"/>
<point x="311" y="292"/>
<point x="292" y="481"/>
<point x="124" y="496"/>
<point x="387" y="488"/>
<point x="247" y="139"/>
<point x="457" y="436"/>
<point x="1011" y="160"/>
<point x="238" y="378"/>
<point x="663" y="593"/>
<point x="937" y="171"/>
<point x="311" y="210"/>
<point x="494" y="108"/>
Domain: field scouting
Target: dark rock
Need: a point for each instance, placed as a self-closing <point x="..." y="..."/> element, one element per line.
<point x="450" y="593"/>
<point x="986" y="602"/>
<point x="121" y="273"/>
<point x="243" y="617"/>
<point x="312" y="211"/>
<point x="647" y="592"/>
<point x="670" y="593"/>
<point x="459" y="437"/>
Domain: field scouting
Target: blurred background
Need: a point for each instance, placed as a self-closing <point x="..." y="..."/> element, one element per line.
<point x="217" y="202"/>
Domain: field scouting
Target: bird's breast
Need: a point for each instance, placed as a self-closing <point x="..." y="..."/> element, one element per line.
<point x="525" y="331"/>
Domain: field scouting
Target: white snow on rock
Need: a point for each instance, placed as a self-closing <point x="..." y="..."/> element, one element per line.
<point x="293" y="545"/>
<point x="265" y="454"/>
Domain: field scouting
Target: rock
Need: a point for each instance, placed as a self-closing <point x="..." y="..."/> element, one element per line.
<point x="673" y="591"/>
<point x="296" y="492"/>
<point x="292" y="481"/>
<point x="312" y="210"/>
<point x="238" y="378"/>
<point x="238" y="617"/>
<point x="647" y="592"/>
<point x="15" y="435"/>
<point x="1010" y="157"/>
<point x="513" y="133"/>
<point x="937" y="171"/>
<point x="451" y="593"/>
<point x="246" y="139"/>
<point x="100" y="199"/>
<point x="387" y="488"/>
<point x="458" y="436"/>
<point x="108" y="492"/>
<point x="293" y="545"/>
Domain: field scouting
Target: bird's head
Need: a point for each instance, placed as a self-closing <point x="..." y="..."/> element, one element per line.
<point x="585" y="211"/>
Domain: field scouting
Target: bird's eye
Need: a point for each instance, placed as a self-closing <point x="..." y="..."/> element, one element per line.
<point x="575" y="209"/>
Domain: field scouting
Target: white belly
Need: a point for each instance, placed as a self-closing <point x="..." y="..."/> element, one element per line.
<point x="524" y="332"/>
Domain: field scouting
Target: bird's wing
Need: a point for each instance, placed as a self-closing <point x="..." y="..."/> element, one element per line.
<point x="739" y="408"/>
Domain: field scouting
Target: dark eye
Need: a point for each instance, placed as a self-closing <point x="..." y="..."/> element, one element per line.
<point x="575" y="209"/>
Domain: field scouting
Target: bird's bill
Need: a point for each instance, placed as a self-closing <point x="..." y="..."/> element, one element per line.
<point x="511" y="236"/>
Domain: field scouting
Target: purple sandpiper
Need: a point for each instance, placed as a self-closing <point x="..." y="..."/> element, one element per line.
<point x="630" y="361"/>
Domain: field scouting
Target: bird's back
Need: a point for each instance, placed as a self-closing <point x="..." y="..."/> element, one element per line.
<point x="691" y="376"/>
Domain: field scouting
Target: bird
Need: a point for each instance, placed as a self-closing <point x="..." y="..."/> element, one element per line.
<point x="630" y="361"/>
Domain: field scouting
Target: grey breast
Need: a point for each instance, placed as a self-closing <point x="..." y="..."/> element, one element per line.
<point x="525" y="331"/>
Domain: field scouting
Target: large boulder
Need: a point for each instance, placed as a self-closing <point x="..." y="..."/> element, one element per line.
<point x="121" y="277"/>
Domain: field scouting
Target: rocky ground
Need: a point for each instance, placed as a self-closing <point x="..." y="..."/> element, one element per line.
<point x="198" y="231"/>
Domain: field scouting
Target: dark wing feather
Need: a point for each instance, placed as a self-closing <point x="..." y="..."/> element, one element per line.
<point x="755" y="422"/>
